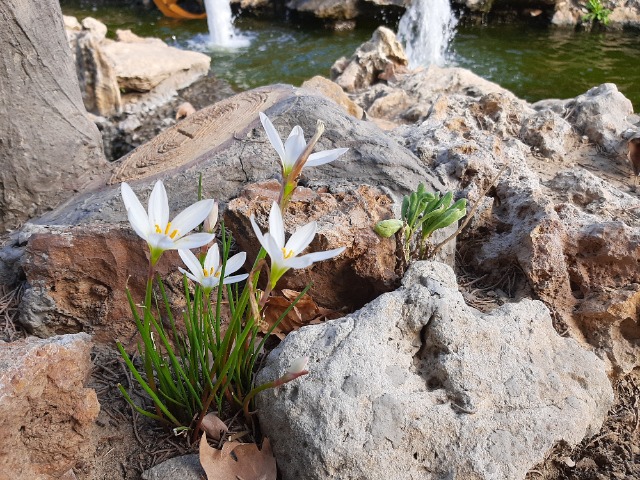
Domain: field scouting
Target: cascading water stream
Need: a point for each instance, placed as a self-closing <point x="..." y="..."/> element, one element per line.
<point x="425" y="30"/>
<point x="220" y="22"/>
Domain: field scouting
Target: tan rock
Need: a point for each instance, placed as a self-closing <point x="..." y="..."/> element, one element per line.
<point x="381" y="55"/>
<point x="96" y="27"/>
<point x="140" y="67"/>
<point x="46" y="413"/>
<point x="384" y="107"/>
<point x="331" y="90"/>
<point x="345" y="218"/>
<point x="97" y="76"/>
<point x="128" y="36"/>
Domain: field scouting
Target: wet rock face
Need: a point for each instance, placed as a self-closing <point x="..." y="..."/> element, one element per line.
<point x="47" y="414"/>
<point x="419" y="385"/>
<point x="345" y="218"/>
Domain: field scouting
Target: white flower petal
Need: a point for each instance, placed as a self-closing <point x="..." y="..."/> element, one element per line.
<point x="195" y="240"/>
<point x="138" y="224"/>
<point x="276" y="225"/>
<point x="294" y="146"/>
<point x="272" y="135"/>
<point x="256" y="230"/>
<point x="158" y="206"/>
<point x="184" y="272"/>
<point x="191" y="217"/>
<point x="212" y="260"/>
<point x="297" y="262"/>
<point x="210" y="282"/>
<point x="235" y="278"/>
<point x="301" y="238"/>
<point x="319" y="256"/>
<point x="162" y="242"/>
<point x="135" y="211"/>
<point x="320" y="158"/>
<point x="274" y="251"/>
<point x="235" y="263"/>
<point x="192" y="263"/>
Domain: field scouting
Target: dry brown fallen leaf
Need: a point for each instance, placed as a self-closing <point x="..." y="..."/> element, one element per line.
<point x="305" y="312"/>
<point x="238" y="461"/>
<point x="214" y="427"/>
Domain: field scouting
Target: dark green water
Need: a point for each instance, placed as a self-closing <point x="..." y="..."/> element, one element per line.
<point x="532" y="61"/>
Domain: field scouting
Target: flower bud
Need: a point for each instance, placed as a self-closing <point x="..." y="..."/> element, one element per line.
<point x="387" y="228"/>
<point x="299" y="365"/>
<point x="212" y="219"/>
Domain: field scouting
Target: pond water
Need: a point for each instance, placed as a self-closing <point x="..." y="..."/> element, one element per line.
<point x="534" y="62"/>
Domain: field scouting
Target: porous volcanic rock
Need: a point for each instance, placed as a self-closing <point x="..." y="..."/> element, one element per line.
<point x="46" y="414"/>
<point x="602" y="114"/>
<point x="418" y="385"/>
<point x="345" y="218"/>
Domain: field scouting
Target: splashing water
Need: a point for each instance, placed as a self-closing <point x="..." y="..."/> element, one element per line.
<point x="220" y="22"/>
<point x="426" y="29"/>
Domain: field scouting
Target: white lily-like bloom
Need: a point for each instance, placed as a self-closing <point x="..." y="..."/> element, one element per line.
<point x="294" y="146"/>
<point x="285" y="256"/>
<point x="155" y="227"/>
<point x="209" y="276"/>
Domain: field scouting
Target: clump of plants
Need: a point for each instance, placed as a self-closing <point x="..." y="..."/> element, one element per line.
<point x="596" y="12"/>
<point x="422" y="214"/>
<point x="187" y="370"/>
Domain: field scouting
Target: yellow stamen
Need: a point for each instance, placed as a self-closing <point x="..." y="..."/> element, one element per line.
<point x="172" y="235"/>
<point x="287" y="253"/>
<point x="217" y="274"/>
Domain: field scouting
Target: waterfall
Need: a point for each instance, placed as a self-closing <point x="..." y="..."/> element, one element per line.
<point x="425" y="30"/>
<point x="220" y="22"/>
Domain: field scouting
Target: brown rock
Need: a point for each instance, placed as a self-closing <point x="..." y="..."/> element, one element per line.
<point x="381" y="55"/>
<point x="46" y="413"/>
<point x="334" y="92"/>
<point x="345" y="218"/>
<point x="82" y="274"/>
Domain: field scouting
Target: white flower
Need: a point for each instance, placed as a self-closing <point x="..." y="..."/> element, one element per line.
<point x="155" y="227"/>
<point x="285" y="256"/>
<point x="294" y="146"/>
<point x="209" y="275"/>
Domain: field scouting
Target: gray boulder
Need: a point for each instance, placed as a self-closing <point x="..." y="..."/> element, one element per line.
<point x="602" y="115"/>
<point x="418" y="385"/>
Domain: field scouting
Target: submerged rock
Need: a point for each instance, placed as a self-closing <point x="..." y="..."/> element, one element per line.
<point x="419" y="385"/>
